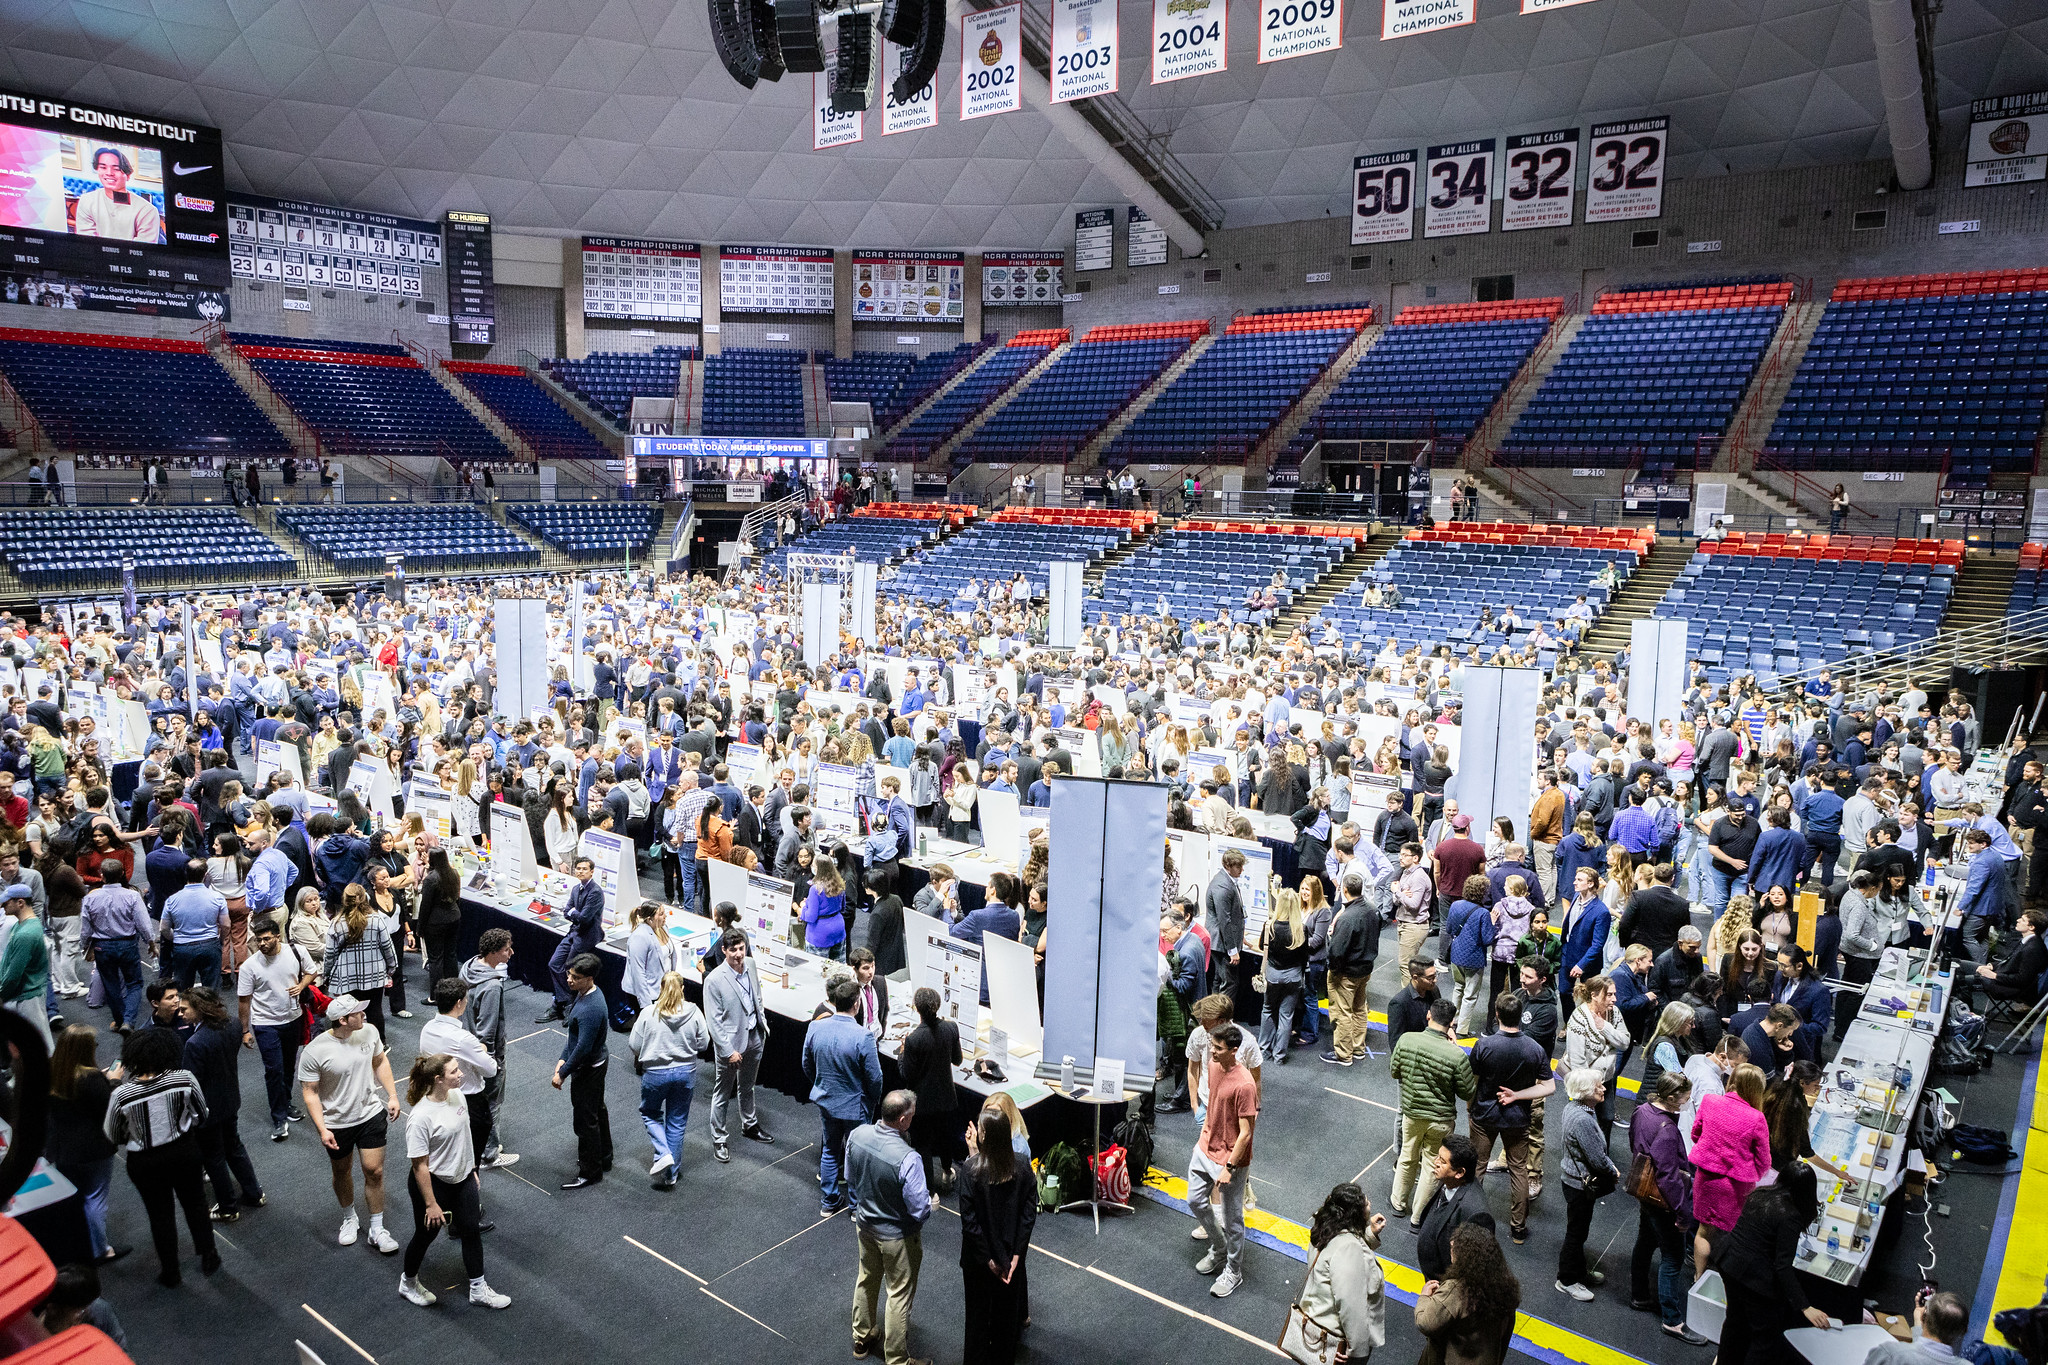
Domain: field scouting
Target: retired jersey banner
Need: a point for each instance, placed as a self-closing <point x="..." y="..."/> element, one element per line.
<point x="921" y="110"/>
<point x="829" y="127"/>
<point x="1406" y="18"/>
<point x="990" y="44"/>
<point x="1458" y="189"/>
<point x="1625" y="170"/>
<point x="1297" y="28"/>
<point x="1542" y="172"/>
<point x="1188" y="38"/>
<point x="1383" y="198"/>
<point x="1084" y="49"/>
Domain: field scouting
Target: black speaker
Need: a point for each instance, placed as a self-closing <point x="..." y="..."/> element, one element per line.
<point x="926" y="52"/>
<point x="797" y="33"/>
<point x="732" y="34"/>
<point x="852" y="83"/>
<point x="902" y="21"/>
<point x="767" y="45"/>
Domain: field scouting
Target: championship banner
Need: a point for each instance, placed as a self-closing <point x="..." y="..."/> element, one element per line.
<point x="1625" y="176"/>
<point x="921" y="110"/>
<point x="1406" y="18"/>
<point x="830" y="127"/>
<point x="2008" y="140"/>
<point x="1188" y="38"/>
<point x="1542" y="174"/>
<point x="1298" y="28"/>
<point x="1546" y="6"/>
<point x="1383" y="198"/>
<point x="1084" y="49"/>
<point x="1458" y="199"/>
<point x="990" y="41"/>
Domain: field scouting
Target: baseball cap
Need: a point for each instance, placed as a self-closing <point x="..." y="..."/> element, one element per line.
<point x="1461" y="823"/>
<point x="17" y="892"/>
<point x="341" y="1006"/>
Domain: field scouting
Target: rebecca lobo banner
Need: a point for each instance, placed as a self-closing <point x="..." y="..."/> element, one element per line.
<point x="1299" y="28"/>
<point x="1626" y="170"/>
<point x="830" y="127"/>
<point x="905" y="285"/>
<point x="1084" y="49"/>
<point x="1188" y="38"/>
<point x="1542" y="171"/>
<point x="1383" y="198"/>
<point x="1022" y="277"/>
<point x="990" y="41"/>
<point x="921" y="110"/>
<point x="1406" y="18"/>
<point x="1459" y="201"/>
<point x="2008" y="140"/>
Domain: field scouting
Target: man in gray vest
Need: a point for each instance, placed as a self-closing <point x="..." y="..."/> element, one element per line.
<point x="890" y="1204"/>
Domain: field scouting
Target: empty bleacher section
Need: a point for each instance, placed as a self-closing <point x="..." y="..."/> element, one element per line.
<point x="1654" y="374"/>
<point x="1908" y="372"/>
<point x="1435" y="373"/>
<point x="870" y="377"/>
<point x="1446" y="575"/>
<point x="925" y="378"/>
<point x="1782" y="603"/>
<point x="357" y="538"/>
<point x="754" y="391"/>
<point x="1016" y="540"/>
<point x="1200" y="568"/>
<point x="934" y="426"/>
<point x="527" y="408"/>
<point x="610" y="380"/>
<point x="114" y="396"/>
<point x="1219" y="408"/>
<point x="366" y="399"/>
<point x="878" y="533"/>
<point x="1080" y="392"/>
<point x="83" y="548"/>
<point x="591" y="530"/>
<point x="2029" y="588"/>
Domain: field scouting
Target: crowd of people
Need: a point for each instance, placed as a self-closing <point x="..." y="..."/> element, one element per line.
<point x="1641" y="915"/>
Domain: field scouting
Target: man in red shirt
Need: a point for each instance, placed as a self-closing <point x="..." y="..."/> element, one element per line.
<point x="1218" y="1167"/>
<point x="1458" y="855"/>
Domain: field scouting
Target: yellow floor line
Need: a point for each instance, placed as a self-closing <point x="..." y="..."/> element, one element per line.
<point x="2025" y="1266"/>
<point x="1546" y="1335"/>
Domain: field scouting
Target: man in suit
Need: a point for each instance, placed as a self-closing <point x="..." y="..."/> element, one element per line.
<point x="728" y="795"/>
<point x="1809" y="997"/>
<point x="583" y="1065"/>
<point x="871" y="1005"/>
<point x="293" y="841"/>
<point x="845" y="1072"/>
<point x="749" y="823"/>
<point x="586" y="930"/>
<point x="2019" y="980"/>
<point x="1986" y="900"/>
<point x="664" y="767"/>
<point x="1224" y="906"/>
<point x="739" y="1030"/>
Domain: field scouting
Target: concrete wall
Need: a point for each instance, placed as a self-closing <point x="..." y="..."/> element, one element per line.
<point x="882" y="336"/>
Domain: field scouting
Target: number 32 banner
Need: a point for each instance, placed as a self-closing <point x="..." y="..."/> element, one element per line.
<point x="989" y="47"/>
<point x="1541" y="175"/>
<point x="1296" y="28"/>
<point x="1084" y="49"/>
<point x="1188" y="38"/>
<point x="1625" y="170"/>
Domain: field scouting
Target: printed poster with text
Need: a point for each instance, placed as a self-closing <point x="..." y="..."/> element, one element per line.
<point x="921" y="110"/>
<point x="1299" y="28"/>
<point x="829" y="127"/>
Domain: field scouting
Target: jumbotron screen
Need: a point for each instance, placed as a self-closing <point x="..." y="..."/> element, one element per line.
<point x="112" y="211"/>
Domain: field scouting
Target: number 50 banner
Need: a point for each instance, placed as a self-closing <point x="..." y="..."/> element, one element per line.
<point x="1084" y="49"/>
<point x="989" y="47"/>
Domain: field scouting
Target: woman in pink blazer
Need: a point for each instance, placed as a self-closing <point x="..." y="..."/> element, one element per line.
<point x="1731" y="1151"/>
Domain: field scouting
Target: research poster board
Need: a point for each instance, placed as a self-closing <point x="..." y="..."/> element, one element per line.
<point x="1013" y="994"/>
<point x="370" y="780"/>
<point x="918" y="928"/>
<point x="952" y="967"/>
<point x="436" y="809"/>
<point x="513" y="866"/>
<point x="1254" y="885"/>
<point x="612" y="856"/>
<point x="272" y="756"/>
<point x="835" y="798"/>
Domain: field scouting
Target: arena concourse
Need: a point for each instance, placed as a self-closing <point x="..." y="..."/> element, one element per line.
<point x="1363" y="686"/>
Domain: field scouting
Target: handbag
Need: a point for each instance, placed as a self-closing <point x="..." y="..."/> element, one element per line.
<point x="1304" y="1339"/>
<point x="1642" y="1182"/>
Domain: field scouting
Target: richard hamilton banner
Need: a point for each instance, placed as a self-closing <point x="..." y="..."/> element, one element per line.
<point x="990" y="42"/>
<point x="1406" y="18"/>
<point x="1188" y="38"/>
<point x="829" y="127"/>
<point x="1542" y="173"/>
<point x="1383" y="198"/>
<point x="1298" y="28"/>
<point x="1625" y="170"/>
<point x="1458" y="189"/>
<point x="1084" y="49"/>
<point x="921" y="110"/>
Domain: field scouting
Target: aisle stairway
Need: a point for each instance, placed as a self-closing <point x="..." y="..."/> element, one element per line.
<point x="1311" y="402"/>
<point x="940" y="392"/>
<point x="1090" y="454"/>
<point x="942" y="457"/>
<point x="1983" y="587"/>
<point x="1348" y="571"/>
<point x="1752" y="423"/>
<point x="1093" y="574"/>
<point x="1654" y="574"/>
<point x="1478" y="452"/>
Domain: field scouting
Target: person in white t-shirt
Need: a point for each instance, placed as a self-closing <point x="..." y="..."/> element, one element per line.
<point x="441" y="1178"/>
<point x="270" y="986"/>
<point x="1212" y="1012"/>
<point x="339" y="1074"/>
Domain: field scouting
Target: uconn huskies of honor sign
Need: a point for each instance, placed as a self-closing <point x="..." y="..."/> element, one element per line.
<point x="1458" y="189"/>
<point x="1188" y="38"/>
<point x="1084" y="49"/>
<point x="1383" y="198"/>
<point x="989" y="43"/>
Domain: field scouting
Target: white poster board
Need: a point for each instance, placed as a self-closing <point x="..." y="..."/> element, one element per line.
<point x="728" y="883"/>
<point x="437" y="809"/>
<point x="1254" y="885"/>
<point x="512" y="862"/>
<point x="1013" y="993"/>
<point x="952" y="967"/>
<point x="617" y="877"/>
<point x="742" y="762"/>
<point x="1001" y="829"/>
<point x="370" y="780"/>
<point x="271" y="756"/>
<point x="835" y="791"/>
<point x="768" y="905"/>
<point x="916" y="928"/>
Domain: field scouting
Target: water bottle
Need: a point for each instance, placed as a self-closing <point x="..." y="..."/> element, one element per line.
<point x="1067" y="1074"/>
<point x="920" y="843"/>
<point x="1834" y="1241"/>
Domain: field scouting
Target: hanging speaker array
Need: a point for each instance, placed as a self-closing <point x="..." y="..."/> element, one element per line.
<point x="761" y="40"/>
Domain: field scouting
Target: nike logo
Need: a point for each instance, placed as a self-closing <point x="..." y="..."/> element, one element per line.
<point x="180" y="168"/>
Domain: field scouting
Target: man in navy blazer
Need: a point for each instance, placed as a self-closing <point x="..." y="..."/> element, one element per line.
<point x="845" y="1072"/>
<point x="1585" y="932"/>
<point x="586" y="929"/>
<point x="1796" y="985"/>
<point x="1986" y="900"/>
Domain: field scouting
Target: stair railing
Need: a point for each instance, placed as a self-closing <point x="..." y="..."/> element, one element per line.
<point x="1970" y="646"/>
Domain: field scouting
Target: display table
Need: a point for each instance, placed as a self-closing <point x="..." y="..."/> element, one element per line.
<point x="51" y="1209"/>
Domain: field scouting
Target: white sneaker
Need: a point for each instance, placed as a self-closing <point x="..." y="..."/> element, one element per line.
<point x="502" y="1160"/>
<point x="1210" y="1263"/>
<point x="350" y="1226"/>
<point x="1577" y="1291"/>
<point x="1228" y="1281"/>
<point x="382" y="1240"/>
<point x="415" y="1292"/>
<point x="661" y="1163"/>
<point x="483" y="1296"/>
<point x="1200" y="1234"/>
